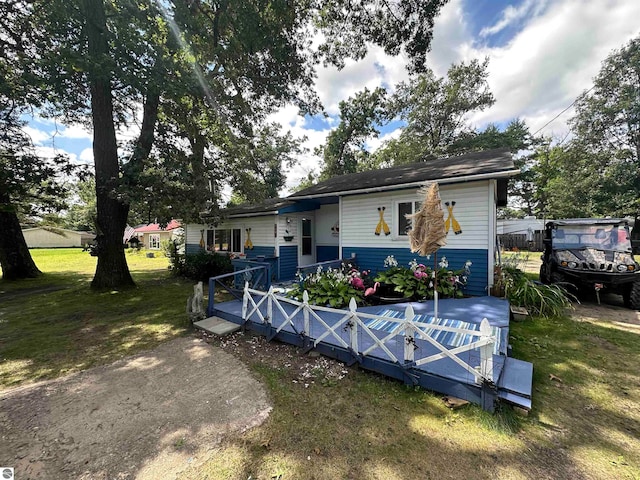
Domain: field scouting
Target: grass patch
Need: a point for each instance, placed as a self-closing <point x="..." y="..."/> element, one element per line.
<point x="328" y="424"/>
<point x="55" y="324"/>
<point x="330" y="421"/>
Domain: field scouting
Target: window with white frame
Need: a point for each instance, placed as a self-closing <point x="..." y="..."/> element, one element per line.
<point x="154" y="241"/>
<point x="224" y="240"/>
<point x="402" y="224"/>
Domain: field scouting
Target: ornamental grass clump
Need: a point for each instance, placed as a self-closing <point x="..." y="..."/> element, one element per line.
<point x="539" y="299"/>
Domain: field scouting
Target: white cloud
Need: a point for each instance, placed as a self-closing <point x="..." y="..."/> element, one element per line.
<point x="512" y="15"/>
<point x="374" y="144"/>
<point x="547" y="64"/>
<point x="50" y="152"/>
<point x="74" y="131"/>
<point x="37" y="136"/>
<point x="86" y="155"/>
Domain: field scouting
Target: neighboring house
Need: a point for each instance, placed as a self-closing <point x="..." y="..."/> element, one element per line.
<point x="39" y="237"/>
<point x="152" y="235"/>
<point x="521" y="233"/>
<point x="362" y="216"/>
<point x="520" y="226"/>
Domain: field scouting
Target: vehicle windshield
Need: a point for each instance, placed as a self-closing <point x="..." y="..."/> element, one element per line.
<point x="603" y="237"/>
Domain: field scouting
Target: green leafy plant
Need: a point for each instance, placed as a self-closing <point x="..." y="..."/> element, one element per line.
<point x="417" y="281"/>
<point x="537" y="298"/>
<point x="333" y="287"/>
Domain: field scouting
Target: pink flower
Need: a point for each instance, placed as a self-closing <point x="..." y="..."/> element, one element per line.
<point x="357" y="282"/>
<point x="420" y="275"/>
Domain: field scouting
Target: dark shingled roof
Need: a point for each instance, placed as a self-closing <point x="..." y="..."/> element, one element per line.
<point x="271" y="205"/>
<point x="498" y="163"/>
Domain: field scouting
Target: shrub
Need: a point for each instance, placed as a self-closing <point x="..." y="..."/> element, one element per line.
<point x="201" y="266"/>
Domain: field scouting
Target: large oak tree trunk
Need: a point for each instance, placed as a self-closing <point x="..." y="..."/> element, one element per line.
<point x="112" y="270"/>
<point x="15" y="258"/>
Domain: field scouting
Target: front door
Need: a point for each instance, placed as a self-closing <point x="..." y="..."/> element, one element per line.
<point x="307" y="253"/>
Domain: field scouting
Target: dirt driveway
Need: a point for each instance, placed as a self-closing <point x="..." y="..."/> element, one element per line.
<point x="147" y="416"/>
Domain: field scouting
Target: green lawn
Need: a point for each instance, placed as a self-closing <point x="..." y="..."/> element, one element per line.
<point x="585" y="421"/>
<point x="55" y="324"/>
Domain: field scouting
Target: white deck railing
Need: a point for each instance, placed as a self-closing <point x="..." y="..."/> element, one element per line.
<point x="355" y="321"/>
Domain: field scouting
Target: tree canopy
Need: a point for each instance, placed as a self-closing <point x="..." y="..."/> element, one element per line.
<point x="195" y="77"/>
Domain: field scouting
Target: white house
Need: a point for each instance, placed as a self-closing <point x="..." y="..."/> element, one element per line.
<point x="362" y="216"/>
<point x="39" y="237"/>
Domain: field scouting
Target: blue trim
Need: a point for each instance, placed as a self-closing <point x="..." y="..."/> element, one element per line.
<point x="259" y="251"/>
<point x="373" y="259"/>
<point x="192" y="248"/>
<point x="304" y="206"/>
<point x="324" y="253"/>
<point x="288" y="262"/>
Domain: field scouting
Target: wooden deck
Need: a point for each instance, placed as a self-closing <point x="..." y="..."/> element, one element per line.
<point x="332" y="333"/>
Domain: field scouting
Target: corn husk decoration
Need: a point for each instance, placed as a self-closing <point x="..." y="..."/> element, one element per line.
<point x="428" y="233"/>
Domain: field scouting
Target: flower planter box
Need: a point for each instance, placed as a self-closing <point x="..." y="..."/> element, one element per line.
<point x="385" y="295"/>
<point x="518" y="314"/>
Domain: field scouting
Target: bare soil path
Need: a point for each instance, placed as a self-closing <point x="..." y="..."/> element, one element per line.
<point x="148" y="416"/>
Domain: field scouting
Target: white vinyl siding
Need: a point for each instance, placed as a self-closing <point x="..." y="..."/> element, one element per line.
<point x="360" y="216"/>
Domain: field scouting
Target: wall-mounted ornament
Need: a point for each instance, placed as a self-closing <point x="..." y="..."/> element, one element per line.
<point x="382" y="225"/>
<point x="247" y="243"/>
<point x="451" y="220"/>
<point x="202" y="244"/>
<point x="335" y="229"/>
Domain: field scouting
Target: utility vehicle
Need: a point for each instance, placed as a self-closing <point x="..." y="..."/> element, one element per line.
<point x="592" y="254"/>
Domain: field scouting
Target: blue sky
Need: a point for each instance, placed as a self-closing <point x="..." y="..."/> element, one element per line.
<point x="542" y="55"/>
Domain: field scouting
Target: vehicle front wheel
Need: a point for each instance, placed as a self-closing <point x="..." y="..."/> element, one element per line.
<point x="632" y="296"/>
<point x="543" y="275"/>
<point x="557" y="277"/>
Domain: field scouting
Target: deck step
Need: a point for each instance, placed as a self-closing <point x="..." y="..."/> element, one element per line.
<point x="517" y="377"/>
<point x="515" y="399"/>
<point x="217" y="325"/>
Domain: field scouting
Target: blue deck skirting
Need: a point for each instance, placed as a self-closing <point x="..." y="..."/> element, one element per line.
<point x="370" y="258"/>
<point x="444" y="376"/>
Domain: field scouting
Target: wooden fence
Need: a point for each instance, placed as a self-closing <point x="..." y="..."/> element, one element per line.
<point x="512" y="241"/>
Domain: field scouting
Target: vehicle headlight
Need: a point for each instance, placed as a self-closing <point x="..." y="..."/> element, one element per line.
<point x="623" y="268"/>
<point x="572" y="265"/>
<point x="631" y="268"/>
